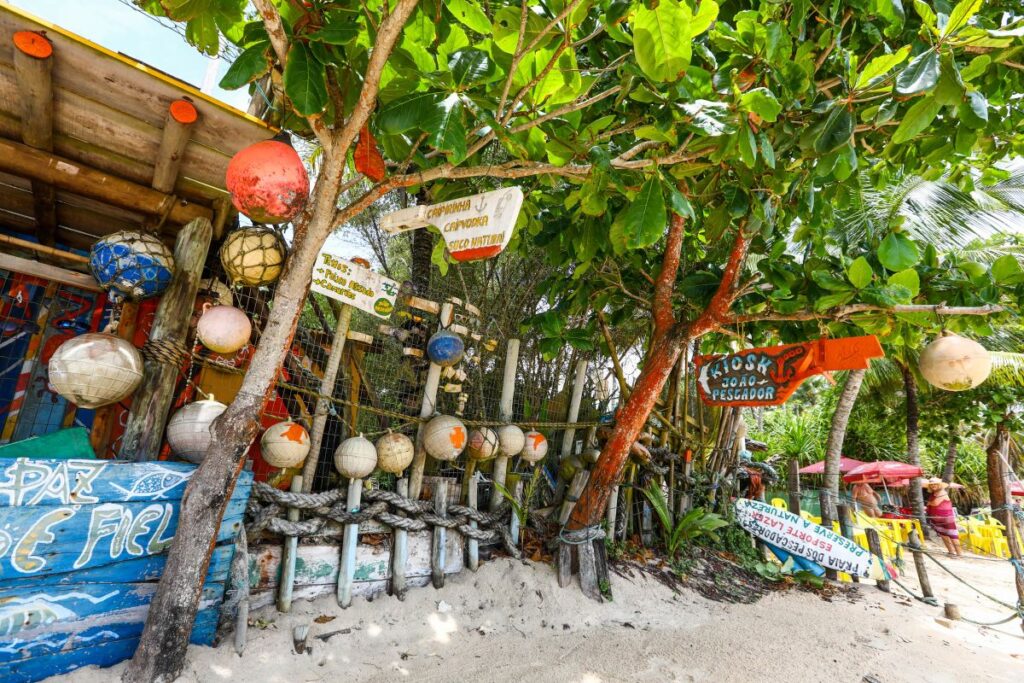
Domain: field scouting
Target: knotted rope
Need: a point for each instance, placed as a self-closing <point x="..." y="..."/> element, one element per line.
<point x="164" y="351"/>
<point x="330" y="506"/>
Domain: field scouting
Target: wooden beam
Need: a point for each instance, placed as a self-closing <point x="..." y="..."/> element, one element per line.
<point x="33" y="65"/>
<point x="43" y="249"/>
<point x="67" y="175"/>
<point x="181" y="117"/>
<point x="69" y="215"/>
<point x="47" y="272"/>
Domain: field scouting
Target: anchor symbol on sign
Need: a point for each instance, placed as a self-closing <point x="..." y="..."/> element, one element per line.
<point x="481" y="203"/>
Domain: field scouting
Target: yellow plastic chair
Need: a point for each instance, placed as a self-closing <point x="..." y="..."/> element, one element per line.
<point x="780" y="503"/>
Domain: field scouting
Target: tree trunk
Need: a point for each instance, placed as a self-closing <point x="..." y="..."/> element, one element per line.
<point x="999" y="496"/>
<point x="629" y="421"/>
<point x="421" y="246"/>
<point x="837" y="432"/>
<point x="951" y="453"/>
<point x="161" y="652"/>
<point x="913" y="447"/>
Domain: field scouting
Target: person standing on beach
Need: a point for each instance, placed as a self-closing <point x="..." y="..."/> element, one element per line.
<point x="942" y="516"/>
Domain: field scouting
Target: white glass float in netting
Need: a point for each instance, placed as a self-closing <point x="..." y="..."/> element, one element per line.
<point x="96" y="369"/>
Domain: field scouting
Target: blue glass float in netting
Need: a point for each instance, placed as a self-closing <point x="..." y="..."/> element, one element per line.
<point x="445" y="348"/>
<point x="132" y="265"/>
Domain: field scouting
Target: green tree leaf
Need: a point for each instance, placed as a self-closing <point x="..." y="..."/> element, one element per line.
<point x="470" y="14"/>
<point x="916" y="120"/>
<point x="709" y="117"/>
<point x="762" y="102"/>
<point x="828" y="301"/>
<point x="661" y="40"/>
<point x="446" y="129"/>
<point x="340" y="29"/>
<point x="920" y="75"/>
<point x="880" y="66"/>
<point x="907" y="278"/>
<point x="250" y="65"/>
<point x="837" y="131"/>
<point x="961" y="14"/>
<point x="898" y="252"/>
<point x="826" y="280"/>
<point x="860" y="273"/>
<point x="642" y="222"/>
<point x="1007" y="271"/>
<point x="407" y="113"/>
<point x="469" y="67"/>
<point x="304" y="81"/>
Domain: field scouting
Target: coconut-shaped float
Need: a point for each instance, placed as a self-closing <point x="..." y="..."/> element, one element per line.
<point x="268" y="182"/>
<point x="955" y="363"/>
<point x="96" y="369"/>
<point x="536" y="447"/>
<point x="188" y="430"/>
<point x="394" y="452"/>
<point x="252" y="257"/>
<point x="285" y="444"/>
<point x="445" y="437"/>
<point x="445" y="348"/>
<point x="131" y="264"/>
<point x="482" y="444"/>
<point x="511" y="440"/>
<point x="355" y="458"/>
<point x="224" y="329"/>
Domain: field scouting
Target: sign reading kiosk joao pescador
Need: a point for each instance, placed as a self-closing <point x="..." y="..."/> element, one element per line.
<point x="768" y="376"/>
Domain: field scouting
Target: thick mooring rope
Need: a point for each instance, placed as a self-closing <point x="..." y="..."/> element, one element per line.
<point x="330" y="506"/>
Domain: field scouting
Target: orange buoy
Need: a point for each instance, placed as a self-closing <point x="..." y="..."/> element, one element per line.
<point x="268" y="182"/>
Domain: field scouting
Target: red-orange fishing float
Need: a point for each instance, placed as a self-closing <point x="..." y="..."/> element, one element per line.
<point x="268" y="182"/>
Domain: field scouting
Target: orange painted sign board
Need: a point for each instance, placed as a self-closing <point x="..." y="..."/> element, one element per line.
<point x="768" y="376"/>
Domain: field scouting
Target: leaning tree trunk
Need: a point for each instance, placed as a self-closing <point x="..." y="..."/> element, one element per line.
<point x="161" y="652"/>
<point x="999" y="496"/>
<point x="951" y="453"/>
<point x="913" y="446"/>
<point x="837" y="432"/>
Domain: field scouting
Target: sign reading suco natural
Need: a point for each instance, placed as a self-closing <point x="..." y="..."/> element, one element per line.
<point x="352" y="284"/>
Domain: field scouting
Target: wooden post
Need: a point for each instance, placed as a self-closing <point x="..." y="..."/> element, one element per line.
<point x="181" y="116"/>
<point x="427" y="408"/>
<point x="1002" y="502"/>
<point x="33" y="67"/>
<point x="579" y="480"/>
<point x="288" y="553"/>
<point x="513" y="525"/>
<point x="323" y="405"/>
<point x="919" y="564"/>
<point x="793" y="481"/>
<point x="569" y="434"/>
<point x="613" y="510"/>
<point x="846" y="528"/>
<point x="349" y="543"/>
<point x="826" y="521"/>
<point x="473" y="545"/>
<point x="143" y="434"/>
<point x="437" y="550"/>
<point x="400" y="551"/>
<point x="628" y="512"/>
<point x="508" y="391"/>
<point x="875" y="545"/>
<point x="646" y="524"/>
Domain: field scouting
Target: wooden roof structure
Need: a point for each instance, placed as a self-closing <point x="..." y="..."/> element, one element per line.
<point x="92" y="142"/>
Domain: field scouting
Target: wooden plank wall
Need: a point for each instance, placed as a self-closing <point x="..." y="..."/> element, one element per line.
<point x="82" y="545"/>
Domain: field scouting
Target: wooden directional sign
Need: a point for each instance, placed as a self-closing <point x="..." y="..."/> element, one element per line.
<point x="352" y="284"/>
<point x="769" y="376"/>
<point x="474" y="227"/>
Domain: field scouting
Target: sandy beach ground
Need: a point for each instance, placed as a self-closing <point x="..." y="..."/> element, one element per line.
<point x="511" y="622"/>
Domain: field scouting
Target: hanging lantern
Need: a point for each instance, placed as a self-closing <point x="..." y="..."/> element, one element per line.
<point x="224" y="329"/>
<point x="954" y="363"/>
<point x="355" y="458"/>
<point x="444" y="437"/>
<point x="483" y="444"/>
<point x="445" y="348"/>
<point x="511" y="440"/>
<point x="394" y="452"/>
<point x="536" y="447"/>
<point x="188" y="430"/>
<point x="268" y="182"/>
<point x="252" y="256"/>
<point x="285" y="444"/>
<point x="96" y="369"/>
<point x="130" y="264"/>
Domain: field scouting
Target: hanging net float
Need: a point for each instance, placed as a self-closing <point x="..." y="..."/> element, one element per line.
<point x="394" y="452"/>
<point x="223" y="329"/>
<point x="444" y="437"/>
<point x="511" y="440"/>
<point x="536" y="447"/>
<point x="188" y="430"/>
<point x="285" y="444"/>
<point x="253" y="257"/>
<point x="483" y="444"/>
<point x="131" y="265"/>
<point x="445" y="348"/>
<point x="355" y="458"/>
<point x="96" y="369"/>
<point x="268" y="182"/>
<point x="955" y="363"/>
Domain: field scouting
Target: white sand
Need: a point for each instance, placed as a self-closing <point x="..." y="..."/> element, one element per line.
<point x="511" y="622"/>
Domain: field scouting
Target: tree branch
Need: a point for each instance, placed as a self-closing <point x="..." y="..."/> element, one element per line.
<point x="714" y="315"/>
<point x="665" y="284"/>
<point x="852" y="309"/>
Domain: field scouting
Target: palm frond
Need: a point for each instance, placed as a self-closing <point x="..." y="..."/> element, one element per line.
<point x="1007" y="368"/>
